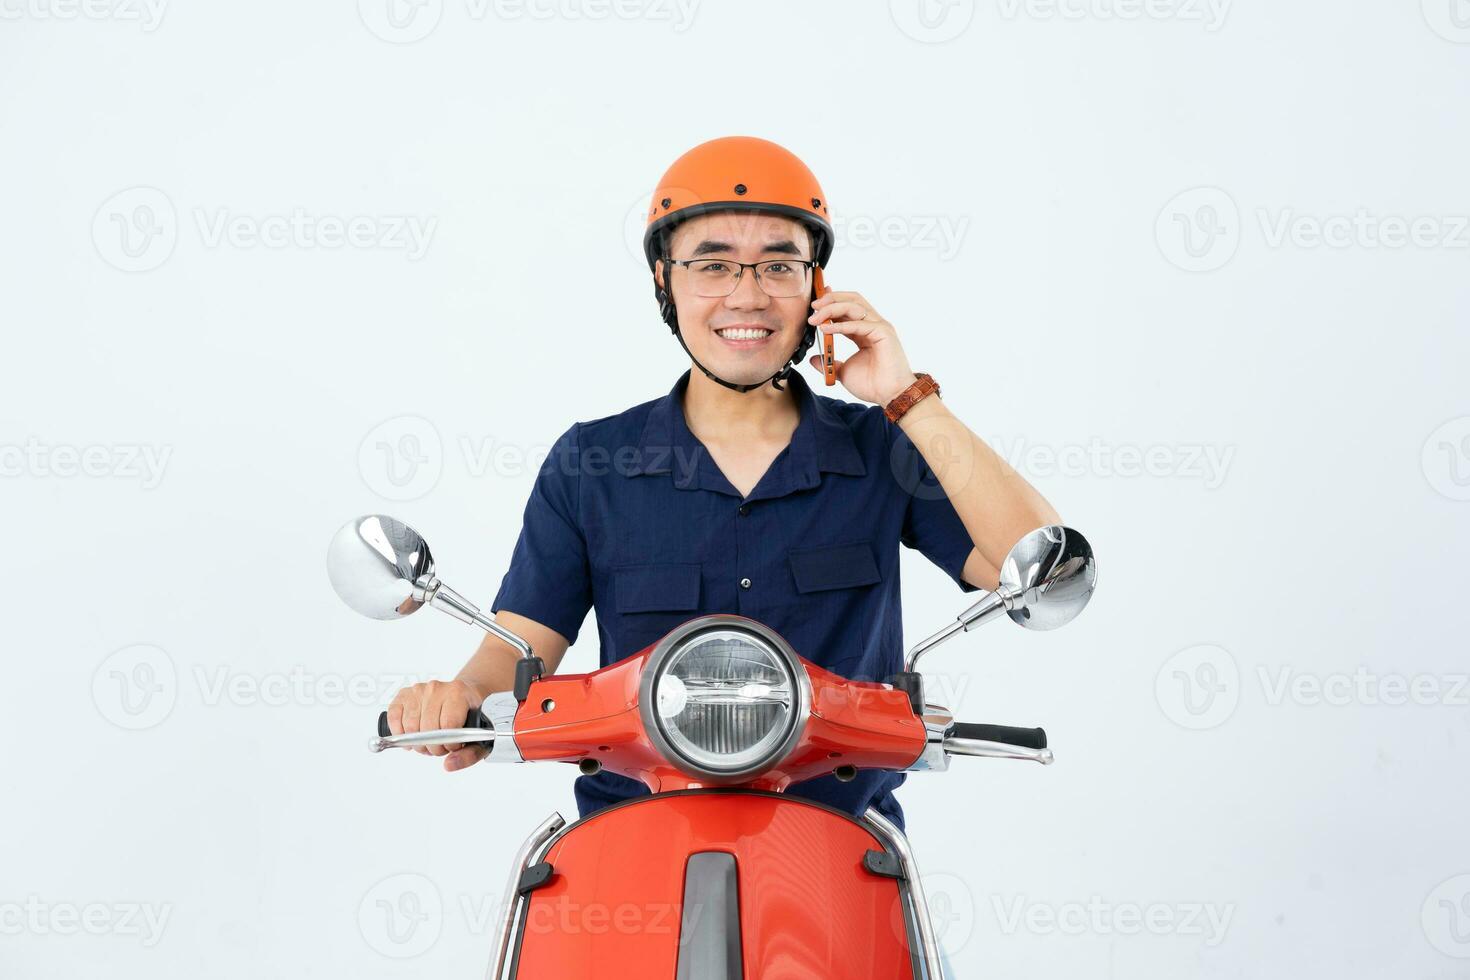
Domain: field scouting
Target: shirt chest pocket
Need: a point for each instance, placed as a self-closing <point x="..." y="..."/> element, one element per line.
<point x="839" y="566"/>
<point x="664" y="587"/>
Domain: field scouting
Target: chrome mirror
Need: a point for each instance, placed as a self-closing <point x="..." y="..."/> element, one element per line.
<point x="1045" y="581"/>
<point x="382" y="568"/>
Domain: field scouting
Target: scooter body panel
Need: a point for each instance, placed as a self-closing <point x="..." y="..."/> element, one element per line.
<point x="805" y="904"/>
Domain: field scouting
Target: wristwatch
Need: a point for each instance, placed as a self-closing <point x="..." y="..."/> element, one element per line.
<point x="923" y="386"/>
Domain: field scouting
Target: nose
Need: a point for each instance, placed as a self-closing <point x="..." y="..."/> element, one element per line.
<point x="748" y="294"/>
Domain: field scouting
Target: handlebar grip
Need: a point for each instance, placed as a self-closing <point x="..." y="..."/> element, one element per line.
<point x="475" y="719"/>
<point x="1028" y="738"/>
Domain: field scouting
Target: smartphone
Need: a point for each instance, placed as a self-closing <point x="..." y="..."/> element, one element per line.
<point x="829" y="358"/>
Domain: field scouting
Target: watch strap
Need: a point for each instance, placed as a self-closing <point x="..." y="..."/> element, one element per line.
<point x="924" y="385"/>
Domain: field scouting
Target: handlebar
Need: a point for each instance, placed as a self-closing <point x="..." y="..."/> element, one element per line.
<point x="475" y="719"/>
<point x="477" y="729"/>
<point x="997" y="742"/>
<point x="1028" y="738"/>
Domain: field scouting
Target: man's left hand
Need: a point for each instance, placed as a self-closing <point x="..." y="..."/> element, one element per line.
<point x="879" y="371"/>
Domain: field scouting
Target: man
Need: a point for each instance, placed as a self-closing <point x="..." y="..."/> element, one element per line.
<point x="742" y="491"/>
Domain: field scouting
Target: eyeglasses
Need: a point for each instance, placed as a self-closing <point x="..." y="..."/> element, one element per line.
<point x="780" y="278"/>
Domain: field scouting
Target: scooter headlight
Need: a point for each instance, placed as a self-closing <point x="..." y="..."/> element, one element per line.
<point x="723" y="697"/>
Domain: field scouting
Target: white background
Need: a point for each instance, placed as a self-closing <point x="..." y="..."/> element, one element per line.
<point x="1130" y="194"/>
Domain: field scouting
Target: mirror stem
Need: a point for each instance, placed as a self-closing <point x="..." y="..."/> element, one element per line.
<point x="924" y="646"/>
<point x="443" y="597"/>
<point x="991" y="605"/>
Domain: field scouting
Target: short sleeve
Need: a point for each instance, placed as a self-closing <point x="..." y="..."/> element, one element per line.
<point x="930" y="523"/>
<point x="549" y="580"/>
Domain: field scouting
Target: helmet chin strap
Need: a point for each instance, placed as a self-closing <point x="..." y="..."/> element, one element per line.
<point x="671" y="317"/>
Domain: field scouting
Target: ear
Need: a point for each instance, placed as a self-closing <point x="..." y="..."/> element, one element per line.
<point x="658" y="273"/>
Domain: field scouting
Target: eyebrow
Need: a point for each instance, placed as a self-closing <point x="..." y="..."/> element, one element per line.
<point x="710" y="246"/>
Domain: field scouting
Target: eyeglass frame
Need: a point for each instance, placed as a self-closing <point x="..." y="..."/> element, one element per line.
<point x="810" y="264"/>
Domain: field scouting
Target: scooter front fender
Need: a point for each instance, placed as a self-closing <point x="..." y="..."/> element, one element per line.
<point x="718" y="885"/>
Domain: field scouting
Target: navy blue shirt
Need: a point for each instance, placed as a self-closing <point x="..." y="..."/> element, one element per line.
<point x="631" y="516"/>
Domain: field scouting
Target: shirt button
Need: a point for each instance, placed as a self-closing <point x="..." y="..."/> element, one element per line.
<point x="744" y="509"/>
<point x="745" y="583"/>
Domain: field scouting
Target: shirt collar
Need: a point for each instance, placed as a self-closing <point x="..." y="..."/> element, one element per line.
<point x="822" y="443"/>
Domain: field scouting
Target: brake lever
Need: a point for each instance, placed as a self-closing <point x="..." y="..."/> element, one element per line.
<point x="959" y="745"/>
<point x="439" y="736"/>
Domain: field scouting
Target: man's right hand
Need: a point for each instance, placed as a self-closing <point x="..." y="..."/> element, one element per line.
<point x="438" y="704"/>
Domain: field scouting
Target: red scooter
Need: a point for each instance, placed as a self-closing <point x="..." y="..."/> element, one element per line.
<point x="718" y="875"/>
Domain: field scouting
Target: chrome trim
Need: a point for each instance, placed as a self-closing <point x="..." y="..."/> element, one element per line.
<point x="955" y="745"/>
<point x="886" y="831"/>
<point x="499" y="709"/>
<point x="796" y="724"/>
<point x="937" y="722"/>
<point x="441" y="596"/>
<point x="929" y="643"/>
<point x="511" y="904"/>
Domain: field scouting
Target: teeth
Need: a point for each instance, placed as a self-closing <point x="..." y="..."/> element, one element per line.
<point x="743" y="333"/>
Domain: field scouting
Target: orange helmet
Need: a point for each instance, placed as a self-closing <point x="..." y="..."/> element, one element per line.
<point x="737" y="173"/>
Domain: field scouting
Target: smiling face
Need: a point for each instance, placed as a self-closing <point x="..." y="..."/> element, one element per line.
<point x="747" y="336"/>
